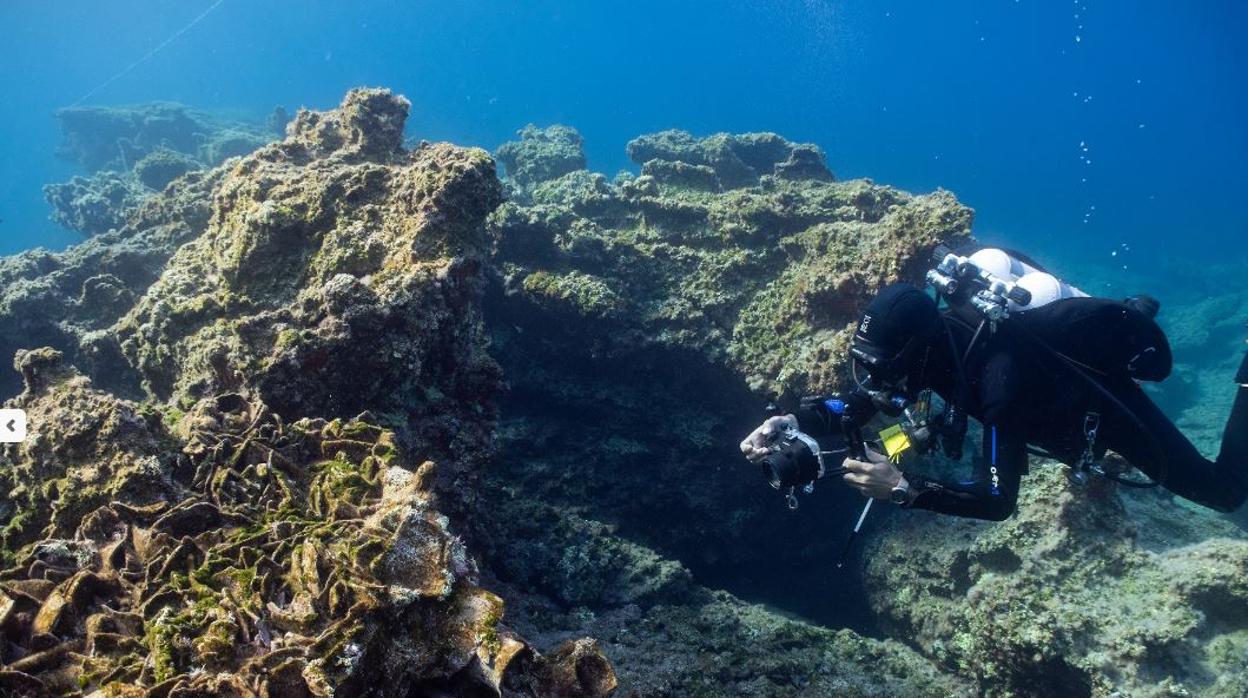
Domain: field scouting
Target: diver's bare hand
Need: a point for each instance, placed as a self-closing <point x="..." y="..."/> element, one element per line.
<point x="760" y="441"/>
<point x="875" y="477"/>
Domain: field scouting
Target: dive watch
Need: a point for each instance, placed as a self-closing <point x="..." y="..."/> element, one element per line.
<point x="900" y="494"/>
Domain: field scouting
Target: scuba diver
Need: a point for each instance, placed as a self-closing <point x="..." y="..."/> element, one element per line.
<point x="1043" y="367"/>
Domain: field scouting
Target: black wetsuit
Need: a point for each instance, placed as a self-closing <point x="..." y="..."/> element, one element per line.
<point x="1021" y="397"/>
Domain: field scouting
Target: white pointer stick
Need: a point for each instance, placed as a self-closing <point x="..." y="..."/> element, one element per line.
<point x="849" y="544"/>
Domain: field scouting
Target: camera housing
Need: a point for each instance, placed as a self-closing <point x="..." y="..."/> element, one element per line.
<point x="795" y="463"/>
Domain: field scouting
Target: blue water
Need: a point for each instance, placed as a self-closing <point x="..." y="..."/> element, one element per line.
<point x="990" y="98"/>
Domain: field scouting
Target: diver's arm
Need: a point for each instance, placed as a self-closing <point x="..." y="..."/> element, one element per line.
<point x="992" y="491"/>
<point x="816" y="418"/>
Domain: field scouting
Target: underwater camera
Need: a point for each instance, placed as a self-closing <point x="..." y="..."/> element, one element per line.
<point x="795" y="462"/>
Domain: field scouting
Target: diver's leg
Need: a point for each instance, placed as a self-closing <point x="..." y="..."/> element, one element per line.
<point x="1164" y="454"/>
<point x="1234" y="454"/>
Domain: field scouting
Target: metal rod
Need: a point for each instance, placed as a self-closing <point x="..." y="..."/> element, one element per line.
<point x="849" y="542"/>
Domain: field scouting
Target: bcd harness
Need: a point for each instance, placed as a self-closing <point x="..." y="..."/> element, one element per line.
<point x="1082" y="325"/>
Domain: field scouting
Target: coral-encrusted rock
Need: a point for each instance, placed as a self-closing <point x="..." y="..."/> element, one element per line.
<point x="338" y="274"/>
<point x="542" y="154"/>
<point x="160" y="167"/>
<point x="1062" y="596"/>
<point x="243" y="533"/>
<point x="67" y="300"/>
<point x="284" y="559"/>
<point x="96" y="204"/>
<point x="737" y="160"/>
<point x="116" y="138"/>
<point x="765" y="277"/>
<point x="86" y="448"/>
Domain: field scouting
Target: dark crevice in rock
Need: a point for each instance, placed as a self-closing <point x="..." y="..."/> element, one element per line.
<point x="644" y="442"/>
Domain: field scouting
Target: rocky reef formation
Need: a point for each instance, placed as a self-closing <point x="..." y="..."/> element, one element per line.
<point x="542" y="154"/>
<point x="640" y="323"/>
<point x="341" y="416"/>
<point x="132" y="152"/>
<point x="756" y="263"/>
<point x="255" y="525"/>
<point x="68" y="300"/>
<point x="643" y="314"/>
<point x="116" y="138"/>
<point x="1067" y="594"/>
<point x="725" y="160"/>
<point x="646" y="322"/>
<point x="94" y="205"/>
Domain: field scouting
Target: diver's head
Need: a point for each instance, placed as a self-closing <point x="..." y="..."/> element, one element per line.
<point x="894" y="335"/>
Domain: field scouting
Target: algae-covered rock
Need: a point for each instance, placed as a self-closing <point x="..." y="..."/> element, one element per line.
<point x="764" y="277"/>
<point x="67" y="300"/>
<point x="116" y="138"/>
<point x="96" y="204"/>
<point x="1062" y="596"/>
<point x="89" y="449"/>
<point x="129" y="152"/>
<point x="161" y="166"/>
<point x="241" y="531"/>
<point x="338" y="273"/>
<point x="737" y="160"/>
<point x="291" y="559"/>
<point x="542" y="154"/>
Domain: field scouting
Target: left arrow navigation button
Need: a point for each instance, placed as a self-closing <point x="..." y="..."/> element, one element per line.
<point x="12" y="426"/>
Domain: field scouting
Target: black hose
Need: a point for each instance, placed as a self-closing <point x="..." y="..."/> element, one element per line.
<point x="964" y="390"/>
<point x="974" y="339"/>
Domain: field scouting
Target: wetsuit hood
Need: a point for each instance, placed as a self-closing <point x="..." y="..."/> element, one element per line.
<point x="899" y="322"/>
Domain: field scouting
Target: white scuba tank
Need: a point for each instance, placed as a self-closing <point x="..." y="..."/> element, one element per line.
<point x="1043" y="286"/>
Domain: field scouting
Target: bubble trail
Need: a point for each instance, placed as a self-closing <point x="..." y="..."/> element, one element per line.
<point x="147" y="56"/>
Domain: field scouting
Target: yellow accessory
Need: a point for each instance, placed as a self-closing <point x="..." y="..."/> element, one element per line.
<point x="895" y="442"/>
